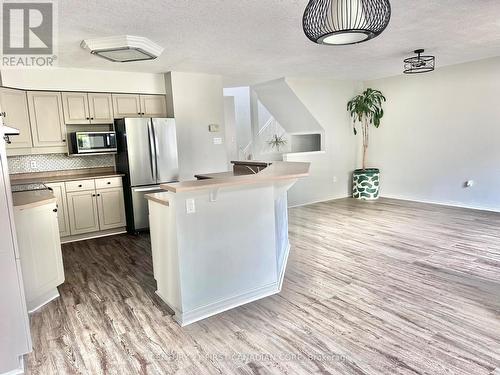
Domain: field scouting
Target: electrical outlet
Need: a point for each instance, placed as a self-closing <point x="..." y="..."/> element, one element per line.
<point x="33" y="164"/>
<point x="469" y="183"/>
<point x="190" y="206"/>
<point x="335" y="179"/>
<point x="217" y="141"/>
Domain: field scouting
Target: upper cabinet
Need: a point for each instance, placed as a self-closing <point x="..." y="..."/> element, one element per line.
<point x="76" y="108"/>
<point x="13" y="102"/>
<point x="87" y="108"/>
<point x="153" y="105"/>
<point x="101" y="108"/>
<point x="135" y="105"/>
<point x="126" y="105"/>
<point x="47" y="120"/>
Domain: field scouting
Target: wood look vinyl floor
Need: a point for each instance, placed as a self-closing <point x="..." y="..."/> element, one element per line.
<point x="387" y="287"/>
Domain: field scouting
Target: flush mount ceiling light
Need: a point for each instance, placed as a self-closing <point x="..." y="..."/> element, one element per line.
<point x="124" y="48"/>
<point x="341" y="22"/>
<point x="419" y="63"/>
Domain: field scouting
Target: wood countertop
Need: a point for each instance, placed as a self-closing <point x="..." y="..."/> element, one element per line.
<point x="279" y="170"/>
<point x="23" y="200"/>
<point x="160" y="198"/>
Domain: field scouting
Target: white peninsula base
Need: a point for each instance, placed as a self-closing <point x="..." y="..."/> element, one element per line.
<point x="216" y="247"/>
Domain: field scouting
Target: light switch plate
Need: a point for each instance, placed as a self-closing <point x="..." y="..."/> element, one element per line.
<point x="213" y="128"/>
<point x="190" y="206"/>
<point x="217" y="141"/>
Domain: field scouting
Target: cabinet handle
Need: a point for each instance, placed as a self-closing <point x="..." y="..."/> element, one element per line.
<point x="64" y="140"/>
<point x="91" y="118"/>
<point x="93" y="195"/>
<point x="79" y="185"/>
<point x="98" y="195"/>
<point x="87" y="118"/>
<point x="55" y="210"/>
<point x="109" y="182"/>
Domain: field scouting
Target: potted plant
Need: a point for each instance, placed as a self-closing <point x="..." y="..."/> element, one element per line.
<point x="366" y="110"/>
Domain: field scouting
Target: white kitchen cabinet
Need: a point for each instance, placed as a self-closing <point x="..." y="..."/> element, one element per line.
<point x="101" y="108"/>
<point x="126" y="105"/>
<point x="15" y="337"/>
<point x="82" y="209"/>
<point x="76" y="108"/>
<point x="87" y="108"/>
<point x="47" y="119"/>
<point x="111" y="208"/>
<point x="15" y="105"/>
<point x="59" y="191"/>
<point x="40" y="252"/>
<point x="153" y="106"/>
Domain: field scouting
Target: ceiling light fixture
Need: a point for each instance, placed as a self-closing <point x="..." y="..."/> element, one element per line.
<point x="341" y="22"/>
<point x="124" y="48"/>
<point x="419" y="63"/>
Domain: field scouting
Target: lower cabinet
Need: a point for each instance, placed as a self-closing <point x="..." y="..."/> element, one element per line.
<point x="91" y="206"/>
<point x="40" y="253"/>
<point x="111" y="208"/>
<point x="59" y="191"/>
<point x="82" y="208"/>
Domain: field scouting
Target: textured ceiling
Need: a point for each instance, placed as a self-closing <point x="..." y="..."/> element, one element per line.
<point x="249" y="41"/>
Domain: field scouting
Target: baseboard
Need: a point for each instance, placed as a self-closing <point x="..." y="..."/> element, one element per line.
<point x="447" y="204"/>
<point x="283" y="267"/>
<point x="203" y="312"/>
<point x="43" y="300"/>
<point x="89" y="236"/>
<point x="320" y="201"/>
<point x="17" y="371"/>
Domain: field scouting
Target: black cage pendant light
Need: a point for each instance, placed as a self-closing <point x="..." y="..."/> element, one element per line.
<point x="341" y="22"/>
<point x="419" y="63"/>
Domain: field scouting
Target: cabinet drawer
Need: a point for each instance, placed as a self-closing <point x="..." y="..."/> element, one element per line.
<point x="80" y="185"/>
<point x="103" y="183"/>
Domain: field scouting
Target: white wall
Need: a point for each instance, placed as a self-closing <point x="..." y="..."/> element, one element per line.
<point x="197" y="101"/>
<point x="439" y="130"/>
<point x="230" y="129"/>
<point x="331" y="170"/>
<point x="243" y="114"/>
<point x="84" y="80"/>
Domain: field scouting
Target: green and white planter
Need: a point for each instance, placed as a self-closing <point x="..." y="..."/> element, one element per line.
<point x="366" y="183"/>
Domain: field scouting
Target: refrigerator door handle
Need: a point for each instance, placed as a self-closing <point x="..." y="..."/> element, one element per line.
<point x="152" y="152"/>
<point x="140" y="190"/>
<point x="156" y="148"/>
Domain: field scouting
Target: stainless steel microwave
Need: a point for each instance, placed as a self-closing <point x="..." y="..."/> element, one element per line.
<point x="92" y="142"/>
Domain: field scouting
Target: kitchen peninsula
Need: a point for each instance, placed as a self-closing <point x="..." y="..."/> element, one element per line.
<point x="221" y="241"/>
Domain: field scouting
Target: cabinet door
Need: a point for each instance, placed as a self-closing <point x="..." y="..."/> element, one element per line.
<point x="82" y="209"/>
<point x="47" y="120"/>
<point x="101" y="108"/>
<point x="59" y="191"/>
<point x="111" y="208"/>
<point x="153" y="106"/>
<point x="40" y="250"/>
<point x="126" y="105"/>
<point x="15" y="105"/>
<point x="76" y="108"/>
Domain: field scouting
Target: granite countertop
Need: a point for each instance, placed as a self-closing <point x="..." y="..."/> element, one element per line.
<point x="62" y="178"/>
<point x="23" y="200"/>
<point x="276" y="171"/>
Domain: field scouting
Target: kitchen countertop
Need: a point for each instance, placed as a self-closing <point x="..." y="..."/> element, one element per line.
<point x="161" y="198"/>
<point x="280" y="170"/>
<point x="62" y="178"/>
<point x="23" y="200"/>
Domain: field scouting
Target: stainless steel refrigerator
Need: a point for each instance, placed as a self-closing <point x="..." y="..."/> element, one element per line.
<point x="147" y="155"/>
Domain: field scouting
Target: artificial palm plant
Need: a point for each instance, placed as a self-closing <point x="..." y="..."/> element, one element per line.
<point x="366" y="109"/>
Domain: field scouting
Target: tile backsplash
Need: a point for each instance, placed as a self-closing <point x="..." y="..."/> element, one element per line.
<point x="57" y="162"/>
